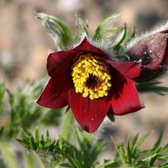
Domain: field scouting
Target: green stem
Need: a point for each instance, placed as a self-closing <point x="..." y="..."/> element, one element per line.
<point x="30" y="161"/>
<point x="8" y="155"/>
<point x="39" y="159"/>
<point x="67" y="126"/>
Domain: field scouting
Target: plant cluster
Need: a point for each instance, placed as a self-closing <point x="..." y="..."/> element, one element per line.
<point x="91" y="76"/>
<point x="72" y="148"/>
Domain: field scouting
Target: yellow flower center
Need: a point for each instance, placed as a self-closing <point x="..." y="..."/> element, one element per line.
<point x="91" y="77"/>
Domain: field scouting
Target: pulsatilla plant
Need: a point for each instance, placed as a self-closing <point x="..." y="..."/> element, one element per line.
<point x="100" y="74"/>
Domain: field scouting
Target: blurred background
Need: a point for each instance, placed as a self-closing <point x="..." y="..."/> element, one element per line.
<point x="24" y="46"/>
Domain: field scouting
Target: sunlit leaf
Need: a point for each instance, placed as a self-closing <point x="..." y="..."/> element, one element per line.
<point x="82" y="29"/>
<point x="132" y="36"/>
<point x="59" y="31"/>
<point x="103" y="29"/>
<point x="120" y="38"/>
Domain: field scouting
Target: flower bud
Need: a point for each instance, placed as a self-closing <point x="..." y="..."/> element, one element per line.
<point x="151" y="50"/>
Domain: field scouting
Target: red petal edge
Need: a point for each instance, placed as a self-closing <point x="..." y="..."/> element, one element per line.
<point x="129" y="69"/>
<point x="55" y="94"/>
<point x="88" y="113"/>
<point x="126" y="99"/>
<point x="60" y="59"/>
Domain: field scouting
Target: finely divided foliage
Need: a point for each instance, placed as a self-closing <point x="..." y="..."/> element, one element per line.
<point x="50" y="153"/>
<point x="64" y="154"/>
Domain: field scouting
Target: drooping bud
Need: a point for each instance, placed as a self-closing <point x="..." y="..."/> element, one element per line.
<point x="152" y="51"/>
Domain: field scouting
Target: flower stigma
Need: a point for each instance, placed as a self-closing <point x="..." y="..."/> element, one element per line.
<point x="91" y="76"/>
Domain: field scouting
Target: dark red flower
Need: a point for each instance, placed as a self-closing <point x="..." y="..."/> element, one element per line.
<point x="152" y="51"/>
<point x="86" y="79"/>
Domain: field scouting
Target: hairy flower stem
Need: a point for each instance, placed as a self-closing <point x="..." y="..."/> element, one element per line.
<point x="67" y="126"/>
<point x="30" y="160"/>
<point x="8" y="155"/>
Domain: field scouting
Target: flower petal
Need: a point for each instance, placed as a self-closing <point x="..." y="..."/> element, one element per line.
<point x="89" y="113"/>
<point x="57" y="60"/>
<point x="86" y="46"/>
<point x="124" y="96"/>
<point x="55" y="94"/>
<point x="128" y="69"/>
<point x="66" y="57"/>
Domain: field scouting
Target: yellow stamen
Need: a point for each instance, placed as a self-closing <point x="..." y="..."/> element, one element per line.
<point x="91" y="77"/>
